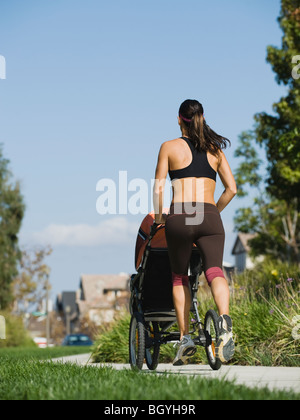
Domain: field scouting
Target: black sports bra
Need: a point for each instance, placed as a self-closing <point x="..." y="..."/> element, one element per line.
<point x="199" y="168"/>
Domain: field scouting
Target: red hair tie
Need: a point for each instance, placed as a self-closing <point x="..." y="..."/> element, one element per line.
<point x="184" y="119"/>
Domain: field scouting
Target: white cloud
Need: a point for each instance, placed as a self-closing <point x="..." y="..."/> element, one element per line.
<point x="110" y="232"/>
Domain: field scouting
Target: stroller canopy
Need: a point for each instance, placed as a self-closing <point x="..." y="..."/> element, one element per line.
<point x="158" y="242"/>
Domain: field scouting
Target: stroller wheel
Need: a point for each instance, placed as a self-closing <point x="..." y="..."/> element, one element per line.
<point x="152" y="346"/>
<point x="136" y="343"/>
<point x="212" y="330"/>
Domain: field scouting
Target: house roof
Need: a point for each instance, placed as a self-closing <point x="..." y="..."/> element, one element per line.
<point x="93" y="287"/>
<point x="65" y="300"/>
<point x="241" y="243"/>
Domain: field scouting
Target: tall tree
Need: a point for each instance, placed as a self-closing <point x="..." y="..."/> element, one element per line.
<point x="280" y="133"/>
<point x="275" y="212"/>
<point x="275" y="222"/>
<point x="31" y="284"/>
<point x="11" y="214"/>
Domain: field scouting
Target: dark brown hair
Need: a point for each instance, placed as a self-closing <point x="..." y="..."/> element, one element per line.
<point x="202" y="136"/>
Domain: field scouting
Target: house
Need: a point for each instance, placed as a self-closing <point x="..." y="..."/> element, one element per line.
<point x="67" y="308"/>
<point x="36" y="326"/>
<point x="228" y="270"/>
<point x="100" y="296"/>
<point x="241" y="251"/>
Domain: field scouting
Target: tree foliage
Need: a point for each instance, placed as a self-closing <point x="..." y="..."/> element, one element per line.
<point x="280" y="133"/>
<point x="275" y="212"/>
<point x="276" y="222"/>
<point x="31" y="283"/>
<point x="12" y="210"/>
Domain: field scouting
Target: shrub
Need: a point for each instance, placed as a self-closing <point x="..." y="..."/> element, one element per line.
<point x="267" y="274"/>
<point x="112" y="344"/>
<point x="16" y="335"/>
<point x="264" y="310"/>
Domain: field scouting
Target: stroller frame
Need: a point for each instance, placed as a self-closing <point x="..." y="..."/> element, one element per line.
<point x="149" y="329"/>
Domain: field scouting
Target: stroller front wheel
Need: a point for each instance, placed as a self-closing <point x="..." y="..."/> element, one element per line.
<point x="136" y="343"/>
<point x="152" y="346"/>
<point x="212" y="329"/>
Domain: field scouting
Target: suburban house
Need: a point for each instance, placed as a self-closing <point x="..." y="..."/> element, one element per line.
<point x="241" y="251"/>
<point x="228" y="270"/>
<point x="98" y="299"/>
<point x="66" y="306"/>
<point x="101" y="295"/>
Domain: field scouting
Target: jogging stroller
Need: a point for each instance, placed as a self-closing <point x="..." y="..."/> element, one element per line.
<point x="151" y="303"/>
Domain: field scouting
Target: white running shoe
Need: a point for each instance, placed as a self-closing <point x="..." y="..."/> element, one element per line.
<point x="225" y="345"/>
<point x="186" y="349"/>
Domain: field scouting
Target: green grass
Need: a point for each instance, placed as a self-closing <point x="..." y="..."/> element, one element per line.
<point x="27" y="354"/>
<point x="24" y="377"/>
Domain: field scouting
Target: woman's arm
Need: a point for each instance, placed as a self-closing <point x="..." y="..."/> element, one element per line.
<point x="228" y="181"/>
<point x="160" y="182"/>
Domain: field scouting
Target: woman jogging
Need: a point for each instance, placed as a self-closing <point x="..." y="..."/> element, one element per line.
<point x="193" y="162"/>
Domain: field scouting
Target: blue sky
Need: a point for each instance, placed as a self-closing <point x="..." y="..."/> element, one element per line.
<point x="94" y="87"/>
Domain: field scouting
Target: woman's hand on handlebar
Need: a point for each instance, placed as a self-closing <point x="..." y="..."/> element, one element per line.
<point x="160" y="220"/>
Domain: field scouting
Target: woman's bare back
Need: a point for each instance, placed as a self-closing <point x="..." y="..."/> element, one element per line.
<point x="190" y="189"/>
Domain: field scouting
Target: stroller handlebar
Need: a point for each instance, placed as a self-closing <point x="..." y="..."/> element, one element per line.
<point x="155" y="228"/>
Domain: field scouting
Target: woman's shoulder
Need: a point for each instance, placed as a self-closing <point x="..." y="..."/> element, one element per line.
<point x="169" y="144"/>
<point x="173" y="148"/>
<point x="215" y="160"/>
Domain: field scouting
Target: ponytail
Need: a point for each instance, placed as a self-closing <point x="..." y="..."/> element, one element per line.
<point x="201" y="135"/>
<point x="196" y="131"/>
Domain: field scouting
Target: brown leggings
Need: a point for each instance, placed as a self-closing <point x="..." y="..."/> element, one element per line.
<point x="195" y="223"/>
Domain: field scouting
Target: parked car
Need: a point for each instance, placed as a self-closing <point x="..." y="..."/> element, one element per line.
<point x="77" y="340"/>
<point x="41" y="342"/>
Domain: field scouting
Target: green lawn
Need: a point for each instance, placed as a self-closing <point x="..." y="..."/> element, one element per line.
<point x="28" y="375"/>
<point x="25" y="354"/>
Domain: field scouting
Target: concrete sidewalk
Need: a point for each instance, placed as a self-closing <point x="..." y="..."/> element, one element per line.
<point x="274" y="378"/>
